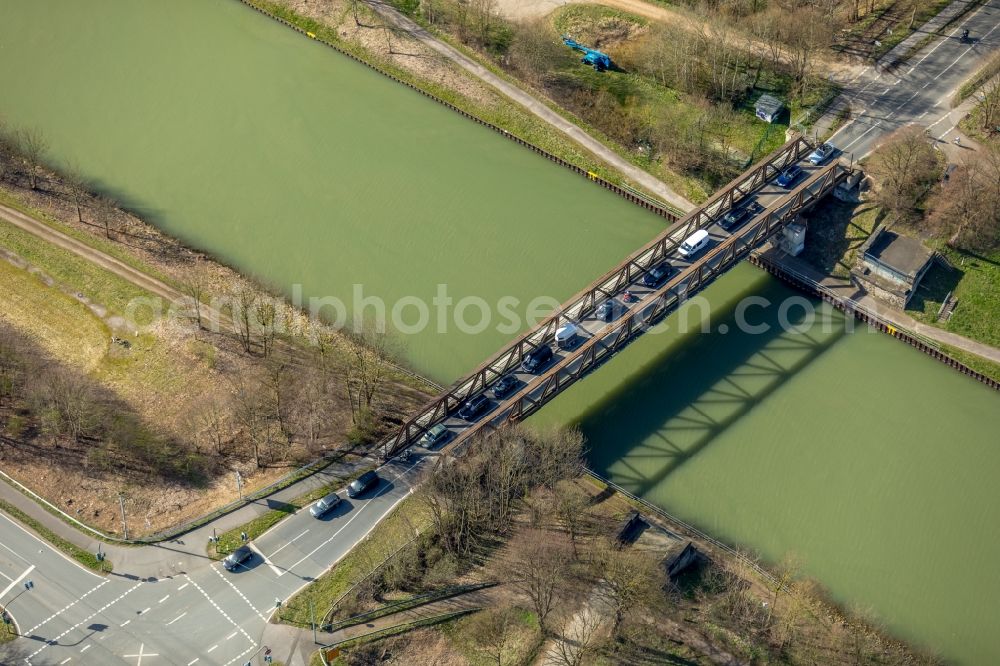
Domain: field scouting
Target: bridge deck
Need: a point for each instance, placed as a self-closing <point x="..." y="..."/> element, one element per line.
<point x="599" y="339"/>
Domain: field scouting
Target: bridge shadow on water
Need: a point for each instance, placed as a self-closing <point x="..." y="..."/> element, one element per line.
<point x="701" y="384"/>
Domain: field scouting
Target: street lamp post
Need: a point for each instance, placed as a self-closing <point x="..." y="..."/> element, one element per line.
<point x="121" y="503"/>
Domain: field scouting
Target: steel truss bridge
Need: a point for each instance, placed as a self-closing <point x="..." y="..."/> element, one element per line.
<point x="599" y="339"/>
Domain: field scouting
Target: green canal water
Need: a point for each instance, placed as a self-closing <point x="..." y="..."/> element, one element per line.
<point x="871" y="463"/>
<point x="302" y="166"/>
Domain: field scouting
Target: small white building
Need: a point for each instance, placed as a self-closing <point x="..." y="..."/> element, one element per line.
<point x="768" y="108"/>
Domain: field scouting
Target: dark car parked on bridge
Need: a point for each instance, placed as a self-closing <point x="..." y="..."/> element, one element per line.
<point x="363" y="484"/>
<point x="536" y="359"/>
<point x="237" y="557"/>
<point x="505" y="387"/>
<point x="473" y="407"/>
<point x="657" y="274"/>
<point x="789" y="176"/>
<point x="738" y="216"/>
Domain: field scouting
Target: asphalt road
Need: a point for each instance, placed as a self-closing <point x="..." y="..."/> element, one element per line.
<point x="919" y="91"/>
<point x="204" y="616"/>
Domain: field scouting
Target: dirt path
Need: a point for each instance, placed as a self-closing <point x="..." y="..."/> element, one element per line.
<point x="534" y="105"/>
<point x="105" y="261"/>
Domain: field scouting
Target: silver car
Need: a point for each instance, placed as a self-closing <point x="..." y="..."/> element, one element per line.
<point x="821" y="154"/>
<point x="319" y="509"/>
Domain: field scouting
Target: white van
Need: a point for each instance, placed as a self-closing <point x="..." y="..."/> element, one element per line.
<point x="566" y="336"/>
<point x="695" y="243"/>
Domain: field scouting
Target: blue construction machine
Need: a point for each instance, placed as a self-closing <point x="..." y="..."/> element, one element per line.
<point x="596" y="59"/>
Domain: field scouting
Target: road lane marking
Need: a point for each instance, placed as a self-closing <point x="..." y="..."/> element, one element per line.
<point x="143" y="612"/>
<point x="124" y="623"/>
<point x="193" y="661"/>
<point x="351" y="520"/>
<point x="209" y="650"/>
<point x="287" y="544"/>
<point x="49" y="546"/>
<point x="85" y="620"/>
<point x="86" y="647"/>
<point x="64" y="661"/>
<point x="163" y="599"/>
<point x="242" y="596"/>
<point x="221" y="612"/>
<point x="230" y="636"/>
<point x="15" y="582"/>
<point x="176" y="618"/>
<point x="141" y="654"/>
<point x="182" y="586"/>
<point x="67" y="607"/>
<point x="6" y="576"/>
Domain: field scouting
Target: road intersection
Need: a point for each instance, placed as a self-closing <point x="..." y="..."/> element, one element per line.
<point x="205" y="615"/>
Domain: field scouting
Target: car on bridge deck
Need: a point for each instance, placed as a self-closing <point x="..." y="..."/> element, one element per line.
<point x="694" y="244"/>
<point x="473" y="407"/>
<point x="536" y="359"/>
<point x="436" y="436"/>
<point x="789" y="176"/>
<point x="657" y="274"/>
<point x="821" y="154"/>
<point x="505" y="386"/>
<point x="737" y="216"/>
<point x="237" y="557"/>
<point x="606" y="310"/>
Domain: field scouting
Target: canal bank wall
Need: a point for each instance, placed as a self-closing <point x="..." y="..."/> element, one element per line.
<point x="813" y="288"/>
<point x="633" y="196"/>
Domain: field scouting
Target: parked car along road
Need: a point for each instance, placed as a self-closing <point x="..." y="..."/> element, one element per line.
<point x="473" y="407"/>
<point x="536" y="359"/>
<point x="657" y="274"/>
<point x="362" y="484"/>
<point x="788" y="177"/>
<point x="319" y="509"/>
<point x="737" y="216"/>
<point x="237" y="557"/>
<point x="821" y="154"/>
<point x="505" y="386"/>
<point x="436" y="436"/>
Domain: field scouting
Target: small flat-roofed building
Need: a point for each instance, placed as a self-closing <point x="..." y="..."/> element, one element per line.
<point x="768" y="107"/>
<point x="891" y="266"/>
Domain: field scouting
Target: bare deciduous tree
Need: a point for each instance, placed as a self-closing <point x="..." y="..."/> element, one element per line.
<point x="493" y="629"/>
<point x="630" y="579"/>
<point x="32" y="146"/>
<point x="578" y="637"/>
<point x="537" y="565"/>
<point x="904" y="168"/>
<point x="968" y="208"/>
